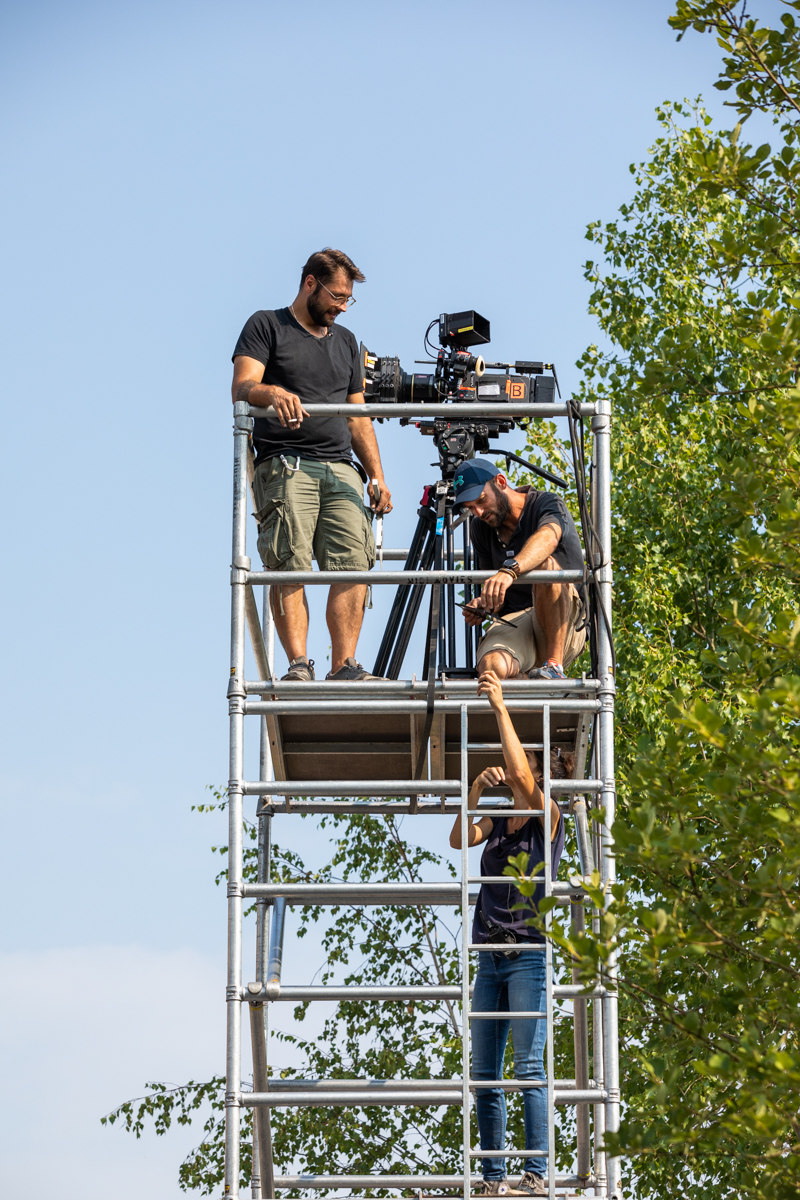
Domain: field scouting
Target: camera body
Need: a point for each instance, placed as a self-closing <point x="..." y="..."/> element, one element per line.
<point x="458" y="375"/>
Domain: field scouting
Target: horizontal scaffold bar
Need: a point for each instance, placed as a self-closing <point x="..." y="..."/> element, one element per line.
<point x="382" y="994"/>
<point x="502" y="412"/>
<point x="407" y="1085"/>
<point x="400" y="1182"/>
<point x="353" y="787"/>
<point x="398" y="689"/>
<point x="371" y="807"/>
<point x="396" y="577"/>
<point x="370" y="893"/>
<point x="391" y="787"/>
<point x="276" y="708"/>
<point x="394" y="1098"/>
<point x="351" y="1099"/>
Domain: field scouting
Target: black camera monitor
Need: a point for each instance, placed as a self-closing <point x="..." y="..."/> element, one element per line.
<point x="463" y="329"/>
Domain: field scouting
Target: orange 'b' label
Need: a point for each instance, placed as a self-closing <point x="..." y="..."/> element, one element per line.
<point x="515" y="389"/>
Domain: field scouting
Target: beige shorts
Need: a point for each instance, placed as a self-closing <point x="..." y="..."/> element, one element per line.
<point x="526" y="643"/>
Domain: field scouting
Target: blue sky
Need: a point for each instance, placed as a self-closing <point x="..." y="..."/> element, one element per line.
<point x="168" y="168"/>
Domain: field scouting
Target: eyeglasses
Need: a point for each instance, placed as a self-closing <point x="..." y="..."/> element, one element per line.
<point x="342" y="301"/>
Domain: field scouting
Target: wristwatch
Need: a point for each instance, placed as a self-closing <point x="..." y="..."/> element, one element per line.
<point x="512" y="567"/>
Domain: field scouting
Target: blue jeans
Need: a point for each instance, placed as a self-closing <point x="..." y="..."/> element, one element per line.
<point x="504" y="985"/>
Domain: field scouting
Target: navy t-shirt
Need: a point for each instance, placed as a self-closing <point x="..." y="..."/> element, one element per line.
<point x="322" y="370"/>
<point x="496" y="900"/>
<point x="541" y="508"/>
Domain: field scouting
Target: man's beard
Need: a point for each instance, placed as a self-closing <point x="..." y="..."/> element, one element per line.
<point x="317" y="310"/>
<point x="500" y="509"/>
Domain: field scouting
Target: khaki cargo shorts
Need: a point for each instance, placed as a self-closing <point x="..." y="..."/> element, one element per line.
<point x="526" y="643"/>
<point x="315" y="510"/>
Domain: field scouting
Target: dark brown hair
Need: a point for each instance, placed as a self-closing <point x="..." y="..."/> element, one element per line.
<point x="324" y="264"/>
<point x="562" y="764"/>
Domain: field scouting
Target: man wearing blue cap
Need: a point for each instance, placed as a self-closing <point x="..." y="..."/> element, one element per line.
<point x="515" y="530"/>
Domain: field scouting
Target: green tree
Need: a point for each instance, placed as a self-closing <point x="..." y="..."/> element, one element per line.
<point x="699" y="297"/>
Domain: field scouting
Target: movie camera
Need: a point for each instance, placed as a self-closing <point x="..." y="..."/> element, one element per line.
<point x="458" y="377"/>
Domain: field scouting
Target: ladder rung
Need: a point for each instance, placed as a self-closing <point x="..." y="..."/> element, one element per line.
<point x="508" y="1154"/>
<point x="507" y="1016"/>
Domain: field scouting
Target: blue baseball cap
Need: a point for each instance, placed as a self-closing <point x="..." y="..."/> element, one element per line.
<point x="471" y="478"/>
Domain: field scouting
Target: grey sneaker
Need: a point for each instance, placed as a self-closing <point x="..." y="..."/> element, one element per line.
<point x="301" y="670"/>
<point x="350" y="671"/>
<point x="532" y="1185"/>
<point x="496" y="1187"/>
<point x="550" y="670"/>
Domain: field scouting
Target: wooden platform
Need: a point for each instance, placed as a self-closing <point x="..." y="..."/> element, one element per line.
<point x="334" y="745"/>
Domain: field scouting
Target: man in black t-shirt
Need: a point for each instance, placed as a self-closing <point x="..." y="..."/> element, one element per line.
<point x="308" y="490"/>
<point x="515" y="530"/>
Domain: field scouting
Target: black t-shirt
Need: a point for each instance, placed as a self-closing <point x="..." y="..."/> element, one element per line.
<point x="496" y="900"/>
<point x="318" y="370"/>
<point x="541" y="508"/>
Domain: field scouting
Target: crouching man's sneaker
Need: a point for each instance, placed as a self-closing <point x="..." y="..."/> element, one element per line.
<point x="350" y="671"/>
<point x="532" y="1185"/>
<point x="496" y="1187"/>
<point x="550" y="670"/>
<point x="301" y="670"/>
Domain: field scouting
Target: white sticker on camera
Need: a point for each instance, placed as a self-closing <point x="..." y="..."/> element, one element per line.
<point x="489" y="389"/>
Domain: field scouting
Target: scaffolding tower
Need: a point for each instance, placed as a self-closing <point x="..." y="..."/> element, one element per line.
<point x="363" y="741"/>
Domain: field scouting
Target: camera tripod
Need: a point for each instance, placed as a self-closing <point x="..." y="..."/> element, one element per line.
<point x="432" y="547"/>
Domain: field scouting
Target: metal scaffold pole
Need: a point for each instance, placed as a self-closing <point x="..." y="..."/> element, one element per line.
<point x="465" y="972"/>
<point x="236" y="694"/>
<point x="412" y="747"/>
<point x="601" y="429"/>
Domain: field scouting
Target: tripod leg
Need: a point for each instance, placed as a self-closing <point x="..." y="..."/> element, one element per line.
<point x="410" y="615"/>
<point x="394" y="625"/>
<point x="435" y="635"/>
<point x="433" y="638"/>
<point x="468" y="638"/>
<point x="450" y="614"/>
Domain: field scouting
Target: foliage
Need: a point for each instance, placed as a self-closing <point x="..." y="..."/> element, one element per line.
<point x="701" y="304"/>
<point x="393" y="945"/>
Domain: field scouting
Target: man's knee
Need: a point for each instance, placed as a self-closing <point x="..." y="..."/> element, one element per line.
<point x="504" y="665"/>
<point x="550" y="593"/>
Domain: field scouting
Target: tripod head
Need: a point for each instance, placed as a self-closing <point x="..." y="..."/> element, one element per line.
<point x="457" y="442"/>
